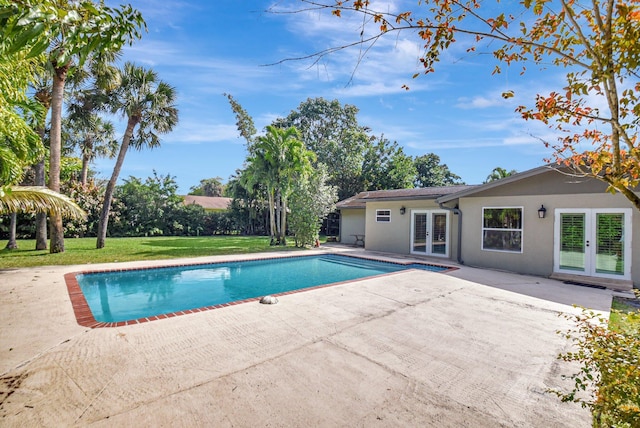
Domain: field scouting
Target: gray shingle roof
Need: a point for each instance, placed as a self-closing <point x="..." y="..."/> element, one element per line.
<point x="359" y="200"/>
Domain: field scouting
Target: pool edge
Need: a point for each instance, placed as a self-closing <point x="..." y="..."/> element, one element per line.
<point x="85" y="318"/>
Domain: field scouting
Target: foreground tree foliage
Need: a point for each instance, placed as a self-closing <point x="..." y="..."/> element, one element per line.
<point x="596" y="43"/>
<point x="331" y="130"/>
<point x="312" y="200"/>
<point x="30" y="199"/>
<point x="281" y="169"/>
<point x="20" y="146"/>
<point x="70" y="32"/>
<point x="608" y="382"/>
<point x="278" y="159"/>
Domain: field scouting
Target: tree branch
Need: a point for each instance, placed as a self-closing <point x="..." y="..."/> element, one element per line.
<point x="389" y="18"/>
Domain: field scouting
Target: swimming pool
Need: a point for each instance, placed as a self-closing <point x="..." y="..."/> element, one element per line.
<point x="139" y="295"/>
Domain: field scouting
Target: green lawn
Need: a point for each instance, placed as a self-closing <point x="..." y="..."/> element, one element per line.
<point x="618" y="320"/>
<point x="83" y="250"/>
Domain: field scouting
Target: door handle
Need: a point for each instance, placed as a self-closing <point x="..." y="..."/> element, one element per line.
<point x="587" y="243"/>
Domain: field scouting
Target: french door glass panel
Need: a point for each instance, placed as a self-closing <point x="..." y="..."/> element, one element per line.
<point x="439" y="233"/>
<point x="572" y="241"/>
<point x="609" y="251"/>
<point x="429" y="233"/>
<point x="594" y="242"/>
<point x="419" y="232"/>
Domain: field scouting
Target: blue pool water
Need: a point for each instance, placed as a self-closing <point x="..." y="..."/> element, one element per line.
<point x="134" y="294"/>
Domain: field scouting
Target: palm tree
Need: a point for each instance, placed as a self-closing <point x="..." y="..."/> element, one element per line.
<point x="12" y="244"/>
<point x="260" y="174"/>
<point x="72" y="32"/>
<point x="86" y="130"/>
<point x="148" y="104"/>
<point x="42" y="94"/>
<point x="98" y="72"/>
<point x="94" y="137"/>
<point x="35" y="199"/>
<point x="499" y="173"/>
<point x="277" y="159"/>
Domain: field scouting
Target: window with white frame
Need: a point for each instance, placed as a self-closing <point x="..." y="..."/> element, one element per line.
<point x="502" y="229"/>
<point x="383" y="216"/>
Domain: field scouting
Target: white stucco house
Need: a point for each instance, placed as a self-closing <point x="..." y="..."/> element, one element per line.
<point x="541" y="222"/>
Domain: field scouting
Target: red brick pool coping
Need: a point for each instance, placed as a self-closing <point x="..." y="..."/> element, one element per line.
<point x="85" y="318"/>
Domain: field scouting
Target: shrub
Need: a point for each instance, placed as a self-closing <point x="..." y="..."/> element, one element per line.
<point x="608" y="382"/>
<point x="311" y="201"/>
<point x="89" y="198"/>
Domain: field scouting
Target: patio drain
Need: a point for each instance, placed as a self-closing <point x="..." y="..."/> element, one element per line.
<point x="582" y="284"/>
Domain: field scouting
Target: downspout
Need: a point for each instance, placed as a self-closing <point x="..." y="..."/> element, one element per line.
<point x="457" y="212"/>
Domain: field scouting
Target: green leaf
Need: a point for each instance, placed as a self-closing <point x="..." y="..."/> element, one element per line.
<point x="38" y="47"/>
<point x="25" y="37"/>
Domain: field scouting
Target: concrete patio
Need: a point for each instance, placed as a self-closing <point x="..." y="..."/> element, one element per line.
<point x="469" y="348"/>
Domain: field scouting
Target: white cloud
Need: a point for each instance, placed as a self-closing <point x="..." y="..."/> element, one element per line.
<point x="377" y="67"/>
<point x="196" y="132"/>
<point x="479" y="102"/>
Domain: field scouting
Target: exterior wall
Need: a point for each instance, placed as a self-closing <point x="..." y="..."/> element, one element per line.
<point x="538" y="234"/>
<point x="395" y="236"/>
<point x="548" y="183"/>
<point x="351" y="222"/>
<point x="553" y="190"/>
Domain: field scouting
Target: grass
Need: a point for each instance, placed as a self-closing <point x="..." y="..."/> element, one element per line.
<point x="618" y="321"/>
<point x="83" y="250"/>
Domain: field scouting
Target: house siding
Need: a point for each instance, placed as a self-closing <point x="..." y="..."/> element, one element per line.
<point x="537" y="255"/>
<point x="395" y="236"/>
<point x="352" y="222"/>
<point x="548" y="183"/>
<point x="528" y="190"/>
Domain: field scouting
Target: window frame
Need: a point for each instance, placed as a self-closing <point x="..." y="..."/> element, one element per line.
<point x="380" y="216"/>
<point x="484" y="229"/>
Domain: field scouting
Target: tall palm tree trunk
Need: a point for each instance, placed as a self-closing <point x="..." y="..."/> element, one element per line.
<point x="13" y="243"/>
<point x="283" y="225"/>
<point x="43" y="95"/>
<point x="55" y="220"/>
<point x="272" y="218"/>
<point x="85" y="170"/>
<point x="278" y="217"/>
<point x="41" y="218"/>
<point x="108" y="194"/>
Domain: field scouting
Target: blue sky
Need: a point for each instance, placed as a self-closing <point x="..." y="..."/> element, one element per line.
<point x="207" y="48"/>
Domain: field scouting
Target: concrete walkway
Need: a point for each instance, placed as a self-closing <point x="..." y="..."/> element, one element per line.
<point x="471" y="348"/>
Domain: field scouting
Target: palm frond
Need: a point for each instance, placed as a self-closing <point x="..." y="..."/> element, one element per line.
<point x="35" y="199"/>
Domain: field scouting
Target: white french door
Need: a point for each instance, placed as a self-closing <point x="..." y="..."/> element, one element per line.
<point x="593" y="242"/>
<point x="430" y="232"/>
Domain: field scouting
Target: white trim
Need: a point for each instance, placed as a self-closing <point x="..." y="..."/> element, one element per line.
<point x="590" y="231"/>
<point x="379" y="216"/>
<point x="429" y="241"/>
